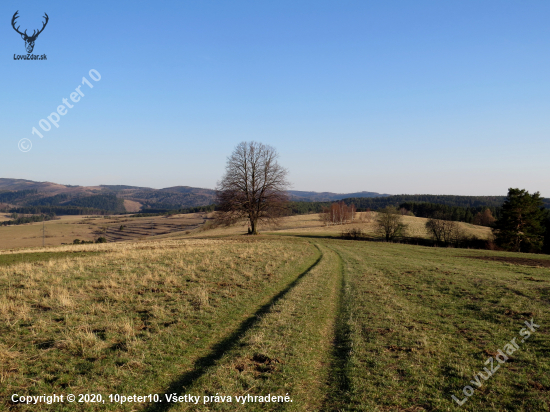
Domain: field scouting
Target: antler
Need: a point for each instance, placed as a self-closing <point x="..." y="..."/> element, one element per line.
<point x="15" y="16"/>
<point x="44" y="25"/>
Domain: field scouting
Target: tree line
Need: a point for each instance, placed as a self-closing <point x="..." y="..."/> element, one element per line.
<point x="451" y="212"/>
<point x="523" y="225"/>
<point x="58" y="210"/>
<point x="375" y="203"/>
<point x="100" y="204"/>
<point x="16" y="220"/>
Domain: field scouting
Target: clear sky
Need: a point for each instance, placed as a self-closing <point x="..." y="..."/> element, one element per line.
<point x="440" y="97"/>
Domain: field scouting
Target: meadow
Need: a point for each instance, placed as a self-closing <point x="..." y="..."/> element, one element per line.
<point x="335" y="325"/>
<point x="65" y="229"/>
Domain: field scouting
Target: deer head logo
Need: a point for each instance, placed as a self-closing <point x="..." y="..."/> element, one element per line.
<point x="29" y="40"/>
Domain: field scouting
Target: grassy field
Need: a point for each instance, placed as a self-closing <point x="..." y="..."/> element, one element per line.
<point x="310" y="225"/>
<point x="332" y="325"/>
<point x="65" y="229"/>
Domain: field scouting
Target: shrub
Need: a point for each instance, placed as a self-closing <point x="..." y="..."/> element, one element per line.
<point x="389" y="223"/>
<point x="353" y="233"/>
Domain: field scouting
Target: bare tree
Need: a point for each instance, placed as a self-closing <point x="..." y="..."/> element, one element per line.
<point x="443" y="230"/>
<point x="389" y="223"/>
<point x="254" y="186"/>
<point x="338" y="214"/>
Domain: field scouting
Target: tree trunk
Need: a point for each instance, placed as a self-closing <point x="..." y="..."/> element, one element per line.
<point x="253" y="227"/>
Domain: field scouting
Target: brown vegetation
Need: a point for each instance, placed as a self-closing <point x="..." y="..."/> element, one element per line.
<point x="484" y="218"/>
<point x="337" y="214"/>
<point x="444" y="231"/>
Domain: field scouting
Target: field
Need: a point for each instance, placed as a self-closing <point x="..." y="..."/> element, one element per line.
<point x="66" y="229"/>
<point x="335" y="325"/>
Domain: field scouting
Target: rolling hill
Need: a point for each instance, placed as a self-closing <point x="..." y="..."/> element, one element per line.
<point x="19" y="193"/>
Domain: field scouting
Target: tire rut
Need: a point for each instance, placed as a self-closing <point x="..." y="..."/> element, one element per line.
<point x="339" y="396"/>
<point x="201" y="365"/>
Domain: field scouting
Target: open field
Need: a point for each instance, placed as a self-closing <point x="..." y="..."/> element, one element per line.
<point x="66" y="229"/>
<point x="335" y="324"/>
<point x="311" y="225"/>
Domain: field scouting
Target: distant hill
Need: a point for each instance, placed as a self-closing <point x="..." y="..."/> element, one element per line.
<point x="28" y="196"/>
<point x="21" y="193"/>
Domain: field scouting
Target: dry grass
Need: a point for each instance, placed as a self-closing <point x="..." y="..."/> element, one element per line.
<point x="311" y="224"/>
<point x="68" y="228"/>
<point x="101" y="321"/>
<point x="370" y="326"/>
<point x="287" y="350"/>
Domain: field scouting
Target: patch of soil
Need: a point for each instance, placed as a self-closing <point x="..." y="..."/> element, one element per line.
<point x="545" y="263"/>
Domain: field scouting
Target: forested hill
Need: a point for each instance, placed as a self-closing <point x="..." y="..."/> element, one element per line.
<point x="374" y="203"/>
<point x="29" y="197"/>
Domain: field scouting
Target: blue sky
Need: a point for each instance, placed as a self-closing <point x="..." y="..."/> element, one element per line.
<point x="441" y="97"/>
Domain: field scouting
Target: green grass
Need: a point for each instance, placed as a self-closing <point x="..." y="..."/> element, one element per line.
<point x="423" y="321"/>
<point x="286" y="349"/>
<point x="337" y="325"/>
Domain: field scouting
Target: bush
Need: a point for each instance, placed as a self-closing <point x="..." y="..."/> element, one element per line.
<point x="389" y="224"/>
<point x="82" y="242"/>
<point x="446" y="232"/>
<point x="353" y="233"/>
<point x="101" y="240"/>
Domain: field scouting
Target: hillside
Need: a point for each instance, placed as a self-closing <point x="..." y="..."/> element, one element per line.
<point x="18" y="193"/>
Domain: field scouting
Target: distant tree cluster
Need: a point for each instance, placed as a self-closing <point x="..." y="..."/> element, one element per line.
<point x="305" y="208"/>
<point x="156" y="212"/>
<point x="86" y="242"/>
<point x="16" y="220"/>
<point x="338" y="214"/>
<point x="108" y="202"/>
<point x="455" y="213"/>
<point x="376" y="203"/>
<point x="58" y="210"/>
<point x="49" y="201"/>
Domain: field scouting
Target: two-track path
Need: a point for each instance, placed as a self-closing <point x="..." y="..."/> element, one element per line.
<point x="296" y="344"/>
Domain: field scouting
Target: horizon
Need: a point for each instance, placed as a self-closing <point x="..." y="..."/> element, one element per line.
<point x="290" y="190"/>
